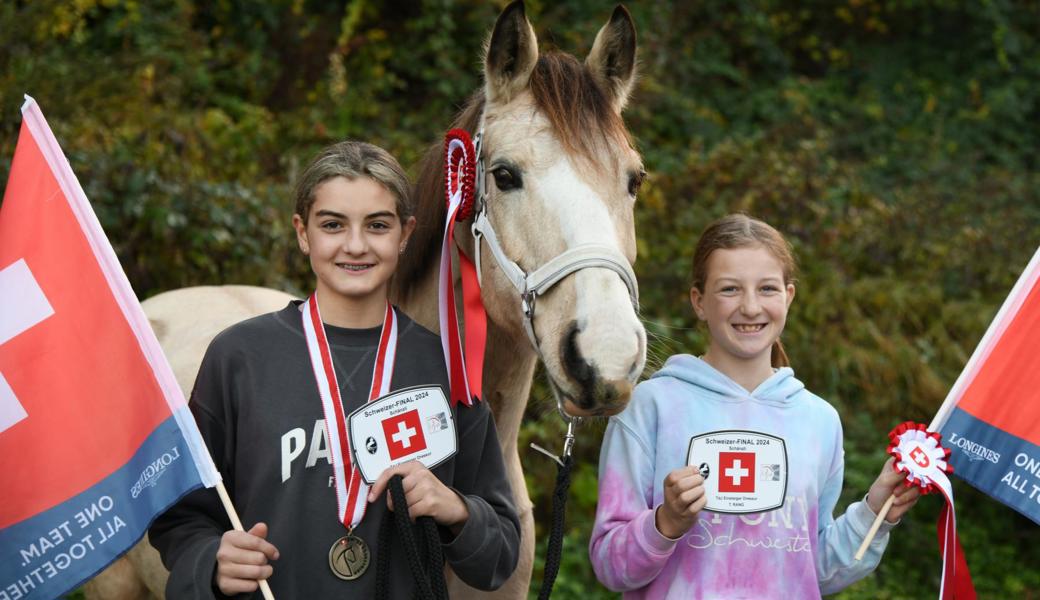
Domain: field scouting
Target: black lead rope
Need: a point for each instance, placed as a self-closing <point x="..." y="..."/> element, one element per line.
<point x="429" y="580"/>
<point x="559" y="511"/>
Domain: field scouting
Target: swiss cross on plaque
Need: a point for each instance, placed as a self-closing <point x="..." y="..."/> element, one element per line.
<point x="409" y="424"/>
<point x="744" y="471"/>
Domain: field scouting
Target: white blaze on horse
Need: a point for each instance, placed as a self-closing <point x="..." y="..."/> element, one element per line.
<point x="561" y="182"/>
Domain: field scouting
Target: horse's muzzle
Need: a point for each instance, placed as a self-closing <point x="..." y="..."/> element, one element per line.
<point x="590" y="392"/>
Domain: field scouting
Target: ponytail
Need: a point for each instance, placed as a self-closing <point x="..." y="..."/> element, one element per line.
<point x="778" y="358"/>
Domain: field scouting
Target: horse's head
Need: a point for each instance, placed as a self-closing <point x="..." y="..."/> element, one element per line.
<point x="562" y="174"/>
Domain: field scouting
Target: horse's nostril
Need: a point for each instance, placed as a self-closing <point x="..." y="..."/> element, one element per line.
<point x="576" y="366"/>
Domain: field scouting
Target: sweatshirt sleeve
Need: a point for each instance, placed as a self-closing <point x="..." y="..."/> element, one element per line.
<point x="188" y="534"/>
<point x="836" y="567"/>
<point x="485" y="552"/>
<point x="626" y="549"/>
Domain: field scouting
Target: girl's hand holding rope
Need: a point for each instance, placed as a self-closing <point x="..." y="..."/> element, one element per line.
<point x="427" y="496"/>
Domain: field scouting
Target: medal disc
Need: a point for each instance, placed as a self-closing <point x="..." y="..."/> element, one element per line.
<point x="349" y="557"/>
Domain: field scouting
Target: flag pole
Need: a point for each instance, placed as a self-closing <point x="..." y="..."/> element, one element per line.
<point x="237" y="524"/>
<point x="1011" y="304"/>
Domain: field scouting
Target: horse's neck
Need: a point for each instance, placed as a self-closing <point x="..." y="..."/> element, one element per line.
<point x="421" y="303"/>
<point x="508" y="368"/>
<point x="508" y="361"/>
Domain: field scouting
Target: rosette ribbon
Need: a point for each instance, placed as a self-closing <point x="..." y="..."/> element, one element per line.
<point x="465" y="369"/>
<point x="921" y="457"/>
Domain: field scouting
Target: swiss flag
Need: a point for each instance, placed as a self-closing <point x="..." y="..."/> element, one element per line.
<point x="736" y="471"/>
<point x="404" y="434"/>
<point x="77" y="394"/>
<point x="90" y="412"/>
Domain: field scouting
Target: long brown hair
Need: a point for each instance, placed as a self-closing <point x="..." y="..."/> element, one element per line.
<point x="741" y="231"/>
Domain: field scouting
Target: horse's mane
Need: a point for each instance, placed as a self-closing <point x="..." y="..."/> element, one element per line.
<point x="581" y="115"/>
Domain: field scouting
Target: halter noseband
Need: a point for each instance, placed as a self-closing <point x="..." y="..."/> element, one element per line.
<point x="534" y="284"/>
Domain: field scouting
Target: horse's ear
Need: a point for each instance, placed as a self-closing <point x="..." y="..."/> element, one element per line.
<point x="612" y="60"/>
<point x="511" y="55"/>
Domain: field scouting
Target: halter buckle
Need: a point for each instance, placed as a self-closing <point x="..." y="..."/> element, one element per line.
<point x="527" y="303"/>
<point x="568" y="439"/>
<point x="568" y="443"/>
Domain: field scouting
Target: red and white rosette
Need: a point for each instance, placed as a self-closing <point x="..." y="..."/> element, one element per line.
<point x="921" y="457"/>
<point x="465" y="369"/>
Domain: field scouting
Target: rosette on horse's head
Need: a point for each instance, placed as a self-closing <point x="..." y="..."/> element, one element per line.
<point x="465" y="369"/>
<point x="460" y="173"/>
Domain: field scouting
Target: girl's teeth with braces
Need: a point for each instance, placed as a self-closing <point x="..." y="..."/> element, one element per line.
<point x="355" y="267"/>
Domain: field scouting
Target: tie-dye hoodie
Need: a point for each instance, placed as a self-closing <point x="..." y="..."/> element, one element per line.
<point x="796" y="551"/>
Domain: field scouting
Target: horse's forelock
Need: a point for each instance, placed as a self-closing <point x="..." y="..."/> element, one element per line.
<point x="580" y="112"/>
<point x="581" y="116"/>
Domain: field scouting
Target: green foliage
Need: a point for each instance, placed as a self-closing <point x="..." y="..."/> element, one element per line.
<point x="894" y="142"/>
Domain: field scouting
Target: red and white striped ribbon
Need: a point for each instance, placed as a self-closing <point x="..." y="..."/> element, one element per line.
<point x="351" y="491"/>
<point x="465" y="368"/>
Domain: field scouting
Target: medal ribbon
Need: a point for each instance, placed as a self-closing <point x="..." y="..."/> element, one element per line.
<point x="920" y="455"/>
<point x="352" y="491"/>
<point x="465" y="369"/>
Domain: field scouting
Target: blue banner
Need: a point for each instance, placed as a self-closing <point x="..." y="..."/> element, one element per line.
<point x="48" y="554"/>
<point x="1004" y="466"/>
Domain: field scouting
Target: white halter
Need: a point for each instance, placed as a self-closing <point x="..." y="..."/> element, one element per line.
<point x="532" y="285"/>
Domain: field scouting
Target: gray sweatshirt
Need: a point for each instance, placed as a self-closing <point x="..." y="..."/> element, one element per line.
<point x="257" y="406"/>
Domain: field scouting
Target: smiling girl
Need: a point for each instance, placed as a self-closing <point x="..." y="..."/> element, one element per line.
<point x="720" y="478"/>
<point x="314" y="524"/>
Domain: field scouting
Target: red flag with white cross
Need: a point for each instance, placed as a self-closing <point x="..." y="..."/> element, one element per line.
<point x="95" y="436"/>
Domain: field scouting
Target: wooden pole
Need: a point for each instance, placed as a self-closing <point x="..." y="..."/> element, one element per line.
<point x="874" y="527"/>
<point x="237" y="524"/>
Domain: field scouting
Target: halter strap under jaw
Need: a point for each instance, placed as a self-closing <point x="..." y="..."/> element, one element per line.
<point x="531" y="285"/>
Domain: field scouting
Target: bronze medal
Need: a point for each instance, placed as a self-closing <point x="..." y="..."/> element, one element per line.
<point x="349" y="557"/>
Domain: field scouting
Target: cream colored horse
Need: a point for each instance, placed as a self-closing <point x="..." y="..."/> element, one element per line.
<point x="561" y="173"/>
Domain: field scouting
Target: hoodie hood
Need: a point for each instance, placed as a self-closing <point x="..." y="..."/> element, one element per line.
<point x="780" y="388"/>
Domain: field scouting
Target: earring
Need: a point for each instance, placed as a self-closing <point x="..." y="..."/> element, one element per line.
<point x="403" y="246"/>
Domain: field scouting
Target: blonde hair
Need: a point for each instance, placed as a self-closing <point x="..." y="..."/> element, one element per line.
<point x="352" y="159"/>
<point x="741" y="231"/>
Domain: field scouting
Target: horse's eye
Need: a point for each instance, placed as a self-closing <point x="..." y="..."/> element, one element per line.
<point x="634" y="181"/>
<point x="507" y="179"/>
